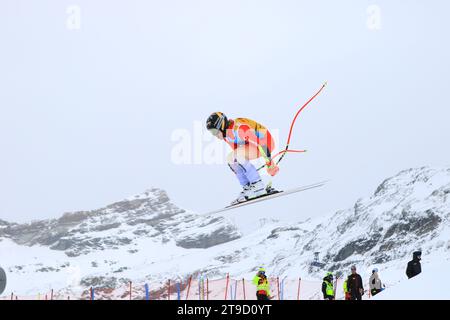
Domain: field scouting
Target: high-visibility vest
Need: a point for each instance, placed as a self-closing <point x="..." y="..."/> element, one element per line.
<point x="345" y="286"/>
<point x="264" y="286"/>
<point x="329" y="289"/>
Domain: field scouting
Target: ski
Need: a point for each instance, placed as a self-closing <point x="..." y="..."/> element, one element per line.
<point x="273" y="194"/>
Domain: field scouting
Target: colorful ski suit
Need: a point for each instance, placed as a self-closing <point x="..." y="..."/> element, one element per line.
<point x="249" y="141"/>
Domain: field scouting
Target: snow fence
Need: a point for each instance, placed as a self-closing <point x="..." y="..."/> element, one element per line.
<point x="199" y="288"/>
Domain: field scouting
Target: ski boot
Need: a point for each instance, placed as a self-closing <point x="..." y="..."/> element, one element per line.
<point x="270" y="189"/>
<point x="257" y="189"/>
<point x="251" y="191"/>
<point x="243" y="196"/>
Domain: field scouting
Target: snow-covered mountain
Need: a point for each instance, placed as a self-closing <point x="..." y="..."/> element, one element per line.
<point x="148" y="239"/>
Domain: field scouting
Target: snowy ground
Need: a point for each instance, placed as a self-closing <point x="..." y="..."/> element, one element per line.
<point x="406" y="212"/>
<point x="429" y="285"/>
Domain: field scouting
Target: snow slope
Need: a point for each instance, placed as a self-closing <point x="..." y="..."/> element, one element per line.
<point x="426" y="286"/>
<point x="148" y="239"/>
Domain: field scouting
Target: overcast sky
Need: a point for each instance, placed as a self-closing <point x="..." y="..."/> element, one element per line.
<point x="91" y="95"/>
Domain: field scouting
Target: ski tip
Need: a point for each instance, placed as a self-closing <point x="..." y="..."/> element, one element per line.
<point x="325" y="83"/>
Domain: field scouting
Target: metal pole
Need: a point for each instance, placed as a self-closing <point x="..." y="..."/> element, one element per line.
<point x="169" y="290"/>
<point x="226" y="286"/>
<point x="131" y="288"/>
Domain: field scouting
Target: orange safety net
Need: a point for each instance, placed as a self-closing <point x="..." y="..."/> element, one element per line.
<point x="198" y="289"/>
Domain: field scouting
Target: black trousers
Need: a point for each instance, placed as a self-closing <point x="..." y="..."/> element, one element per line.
<point x="262" y="296"/>
<point x="356" y="296"/>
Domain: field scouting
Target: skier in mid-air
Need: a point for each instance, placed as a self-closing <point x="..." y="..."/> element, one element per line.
<point x="249" y="140"/>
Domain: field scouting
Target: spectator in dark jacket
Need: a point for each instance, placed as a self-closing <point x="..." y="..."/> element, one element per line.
<point x="414" y="267"/>
<point x="355" y="285"/>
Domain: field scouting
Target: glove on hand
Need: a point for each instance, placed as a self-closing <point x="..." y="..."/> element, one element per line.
<point x="272" y="168"/>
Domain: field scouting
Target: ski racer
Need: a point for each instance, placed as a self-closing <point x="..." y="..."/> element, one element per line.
<point x="248" y="140"/>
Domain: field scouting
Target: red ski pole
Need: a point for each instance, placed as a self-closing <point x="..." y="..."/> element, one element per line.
<point x="283" y="153"/>
<point x="226" y="287"/>
<point x="189" y="287"/>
